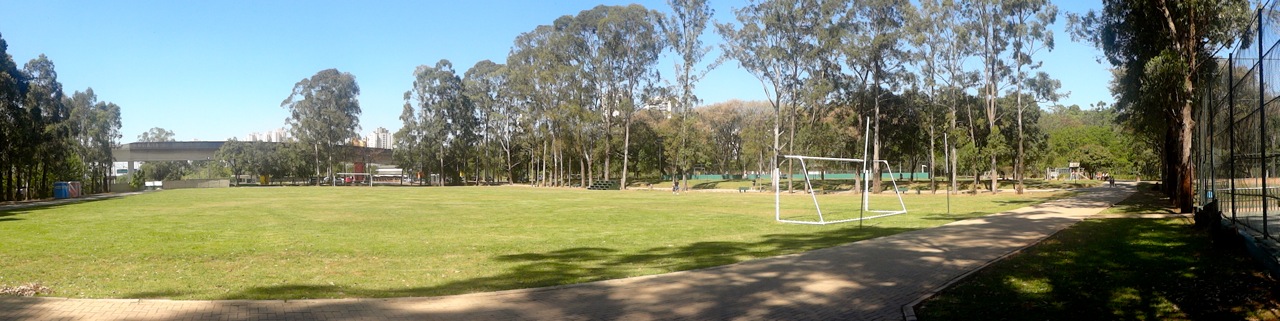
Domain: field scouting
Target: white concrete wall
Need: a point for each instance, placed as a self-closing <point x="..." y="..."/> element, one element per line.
<point x="197" y="183"/>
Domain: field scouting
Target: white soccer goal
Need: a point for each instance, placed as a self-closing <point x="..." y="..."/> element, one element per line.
<point x="355" y="178"/>
<point x="864" y="208"/>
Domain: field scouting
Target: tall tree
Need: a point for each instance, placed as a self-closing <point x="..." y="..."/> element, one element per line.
<point x="324" y="112"/>
<point x="989" y="16"/>
<point x="1161" y="47"/>
<point x="942" y="70"/>
<point x="632" y="42"/>
<point x="44" y="98"/>
<point x="12" y="120"/>
<point x="1030" y="33"/>
<point x="483" y="84"/>
<point x="684" y="28"/>
<point x="446" y="117"/>
<point x="771" y="42"/>
<point x="97" y="132"/>
<point x="877" y="48"/>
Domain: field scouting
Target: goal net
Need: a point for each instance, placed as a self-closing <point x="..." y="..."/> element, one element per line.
<point x="354" y="178"/>
<point x="833" y="190"/>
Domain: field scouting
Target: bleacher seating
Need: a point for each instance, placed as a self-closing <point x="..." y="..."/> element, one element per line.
<point x="604" y="185"/>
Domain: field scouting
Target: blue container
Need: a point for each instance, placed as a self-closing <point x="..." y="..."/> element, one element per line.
<point x="61" y="190"/>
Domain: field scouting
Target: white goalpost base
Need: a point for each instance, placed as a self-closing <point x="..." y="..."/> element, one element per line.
<point x="864" y="175"/>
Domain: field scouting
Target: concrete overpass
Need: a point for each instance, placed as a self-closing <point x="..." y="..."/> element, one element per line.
<point x="178" y="151"/>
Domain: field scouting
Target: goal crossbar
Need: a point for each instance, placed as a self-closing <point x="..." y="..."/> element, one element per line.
<point x="808" y="184"/>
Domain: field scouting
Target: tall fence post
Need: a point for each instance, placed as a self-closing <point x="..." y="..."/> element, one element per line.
<point x="1213" y="168"/>
<point x="1262" y="112"/>
<point x="1231" y="129"/>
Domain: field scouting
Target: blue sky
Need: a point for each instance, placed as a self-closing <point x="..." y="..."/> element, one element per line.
<point x="211" y="70"/>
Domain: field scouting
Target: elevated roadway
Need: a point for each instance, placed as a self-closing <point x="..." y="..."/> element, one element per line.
<point x="190" y="151"/>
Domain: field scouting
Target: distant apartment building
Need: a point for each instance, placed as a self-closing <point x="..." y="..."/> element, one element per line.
<point x="381" y="138"/>
<point x="279" y="135"/>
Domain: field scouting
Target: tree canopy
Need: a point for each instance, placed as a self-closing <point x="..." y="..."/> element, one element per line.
<point x="324" y="113"/>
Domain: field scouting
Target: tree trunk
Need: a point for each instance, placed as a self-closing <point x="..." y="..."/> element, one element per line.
<point x="1017" y="162"/>
<point x="933" y="183"/>
<point x="1185" y="169"/>
<point x="626" y="151"/>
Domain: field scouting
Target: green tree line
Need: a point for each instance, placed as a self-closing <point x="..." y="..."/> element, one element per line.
<point x="584" y="98"/>
<point x="48" y="136"/>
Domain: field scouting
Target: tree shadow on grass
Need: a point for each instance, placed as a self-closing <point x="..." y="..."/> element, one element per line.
<point x="26" y="208"/>
<point x="1127" y="269"/>
<point x="827" y="283"/>
<point x="588" y="264"/>
<point x="955" y="217"/>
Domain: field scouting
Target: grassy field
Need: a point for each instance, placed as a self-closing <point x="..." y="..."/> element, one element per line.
<point x="841" y="184"/>
<point x="336" y="242"/>
<point x="1117" y="269"/>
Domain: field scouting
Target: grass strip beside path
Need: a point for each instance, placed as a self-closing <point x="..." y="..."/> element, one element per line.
<point x="1117" y="269"/>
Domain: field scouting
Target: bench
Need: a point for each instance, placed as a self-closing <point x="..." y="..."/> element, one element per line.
<point x="743" y="189"/>
<point x="902" y="190"/>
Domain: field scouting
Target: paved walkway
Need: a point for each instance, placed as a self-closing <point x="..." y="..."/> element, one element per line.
<point x="55" y="202"/>
<point x="867" y="280"/>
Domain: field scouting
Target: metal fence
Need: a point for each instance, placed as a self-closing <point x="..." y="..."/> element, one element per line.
<point x="1237" y="124"/>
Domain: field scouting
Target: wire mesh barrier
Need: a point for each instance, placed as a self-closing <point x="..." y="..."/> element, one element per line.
<point x="1236" y="127"/>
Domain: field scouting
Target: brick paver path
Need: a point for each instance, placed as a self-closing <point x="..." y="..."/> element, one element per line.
<point x="867" y="280"/>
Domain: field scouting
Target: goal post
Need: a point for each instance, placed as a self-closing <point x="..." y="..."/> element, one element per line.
<point x="863" y="204"/>
<point x="368" y="178"/>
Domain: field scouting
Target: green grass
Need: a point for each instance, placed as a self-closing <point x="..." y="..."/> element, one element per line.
<point x="844" y="184"/>
<point x="338" y="242"/>
<point x="1117" y="269"/>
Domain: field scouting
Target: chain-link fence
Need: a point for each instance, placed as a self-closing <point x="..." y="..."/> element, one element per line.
<point x="1237" y="124"/>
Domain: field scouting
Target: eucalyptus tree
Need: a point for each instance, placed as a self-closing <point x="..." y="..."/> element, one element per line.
<point x="97" y="131"/>
<point x="992" y="32"/>
<point x="631" y="44"/>
<point x="944" y="74"/>
<point x="446" y="118"/>
<point x="540" y="69"/>
<point x="683" y="29"/>
<point x="483" y="84"/>
<point x="771" y="40"/>
<point x="324" y="113"/>
<point x="12" y="118"/>
<point x="1160" y="47"/>
<point x="877" y="46"/>
<point x="1029" y="33"/>
<point x="44" y="98"/>
<point x="937" y="64"/>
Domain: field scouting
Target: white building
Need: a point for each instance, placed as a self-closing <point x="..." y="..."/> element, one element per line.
<point x="278" y="135"/>
<point x="381" y="138"/>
